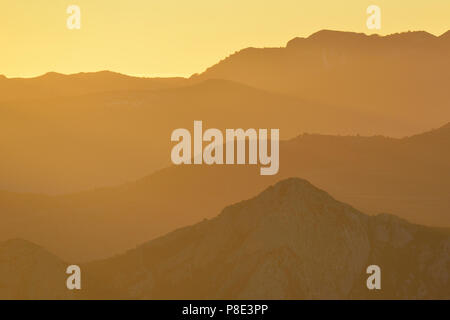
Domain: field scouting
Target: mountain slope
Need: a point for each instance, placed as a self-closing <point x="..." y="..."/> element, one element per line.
<point x="404" y="76"/>
<point x="293" y="241"/>
<point x="408" y="177"/>
<point x="83" y="130"/>
<point x="28" y="271"/>
<point x="68" y="144"/>
<point x="56" y="85"/>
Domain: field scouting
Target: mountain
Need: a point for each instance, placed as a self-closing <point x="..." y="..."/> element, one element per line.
<point x="69" y="144"/>
<point x="409" y="177"/>
<point x="292" y="241"/>
<point x="400" y="76"/>
<point x="56" y="85"/>
<point x="83" y="130"/>
<point x="28" y="271"/>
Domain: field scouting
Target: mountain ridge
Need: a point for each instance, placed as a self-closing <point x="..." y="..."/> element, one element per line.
<point x="275" y="245"/>
<point x="290" y="241"/>
<point x="395" y="76"/>
<point x="371" y="174"/>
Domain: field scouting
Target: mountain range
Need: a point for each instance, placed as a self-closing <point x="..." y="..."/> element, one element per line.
<point x="409" y="177"/>
<point x="401" y="77"/>
<point x="103" y="139"/>
<point x="292" y="241"/>
<point x="86" y="174"/>
<point x="83" y="130"/>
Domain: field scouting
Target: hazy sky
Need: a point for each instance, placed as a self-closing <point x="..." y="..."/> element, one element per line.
<point x="168" y="37"/>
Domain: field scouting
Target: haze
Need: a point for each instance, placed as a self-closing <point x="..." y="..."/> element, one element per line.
<point x="168" y="38"/>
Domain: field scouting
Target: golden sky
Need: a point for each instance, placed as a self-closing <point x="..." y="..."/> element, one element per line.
<point x="171" y="38"/>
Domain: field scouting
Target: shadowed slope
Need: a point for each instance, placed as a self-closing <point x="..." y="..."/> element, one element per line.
<point x="84" y="130"/>
<point x="28" y="271"/>
<point x="293" y="241"/>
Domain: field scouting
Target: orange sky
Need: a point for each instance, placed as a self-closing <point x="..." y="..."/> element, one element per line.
<point x="167" y="38"/>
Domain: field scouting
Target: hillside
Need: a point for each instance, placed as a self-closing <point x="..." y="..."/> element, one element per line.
<point x="403" y="77"/>
<point x="409" y="177"/>
<point x="69" y="144"/>
<point x="292" y="241"/>
<point x="28" y="271"/>
<point x="89" y="130"/>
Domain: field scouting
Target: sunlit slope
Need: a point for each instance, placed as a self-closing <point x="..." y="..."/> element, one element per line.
<point x="292" y="241"/>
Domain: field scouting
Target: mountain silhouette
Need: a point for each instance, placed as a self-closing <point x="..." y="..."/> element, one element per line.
<point x="83" y="130"/>
<point x="409" y="177"/>
<point x="292" y="241"/>
<point x="402" y="76"/>
<point x="54" y="85"/>
<point x="68" y="133"/>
